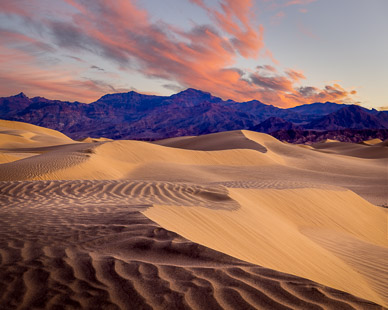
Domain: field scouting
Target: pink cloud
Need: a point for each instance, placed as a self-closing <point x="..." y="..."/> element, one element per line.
<point x="202" y="57"/>
<point x="234" y="19"/>
<point x="55" y="83"/>
<point x="295" y="75"/>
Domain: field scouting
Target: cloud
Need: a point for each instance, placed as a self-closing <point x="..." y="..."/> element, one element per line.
<point x="69" y="36"/>
<point x="266" y="68"/>
<point x="273" y="83"/>
<point x="202" y="57"/>
<point x="233" y="18"/>
<point x="96" y="68"/>
<point x="173" y="87"/>
<point x="23" y="42"/>
<point x="333" y="92"/>
<point x="56" y="83"/>
<point x="295" y="75"/>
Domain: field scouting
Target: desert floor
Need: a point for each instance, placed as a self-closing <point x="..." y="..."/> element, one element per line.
<point x="233" y="220"/>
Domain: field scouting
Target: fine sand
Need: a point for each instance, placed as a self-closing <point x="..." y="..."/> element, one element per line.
<point x="233" y="220"/>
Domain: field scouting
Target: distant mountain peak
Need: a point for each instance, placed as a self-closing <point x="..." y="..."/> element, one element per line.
<point x="318" y="108"/>
<point x="21" y="95"/>
<point x="254" y="101"/>
<point x="193" y="91"/>
<point x="349" y="116"/>
<point x="193" y="97"/>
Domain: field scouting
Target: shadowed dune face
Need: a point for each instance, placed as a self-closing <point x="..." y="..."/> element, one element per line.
<point x="85" y="244"/>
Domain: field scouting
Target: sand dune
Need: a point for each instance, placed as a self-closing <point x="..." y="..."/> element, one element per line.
<point x="86" y="244"/>
<point x="19" y="140"/>
<point x="214" y="142"/>
<point x="18" y="134"/>
<point x="143" y="160"/>
<point x="272" y="224"/>
<point x="372" y="141"/>
<point x="233" y="220"/>
<point x="372" y="150"/>
<point x="94" y="140"/>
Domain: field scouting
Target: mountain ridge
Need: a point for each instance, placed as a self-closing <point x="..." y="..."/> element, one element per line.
<point x="139" y="116"/>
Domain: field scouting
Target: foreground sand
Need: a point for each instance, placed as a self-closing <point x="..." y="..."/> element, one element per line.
<point x="232" y="220"/>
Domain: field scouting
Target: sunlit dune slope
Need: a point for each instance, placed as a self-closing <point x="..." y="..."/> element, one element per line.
<point x="372" y="141"/>
<point x="117" y="159"/>
<point x="288" y="230"/>
<point x="20" y="140"/>
<point x="17" y="134"/>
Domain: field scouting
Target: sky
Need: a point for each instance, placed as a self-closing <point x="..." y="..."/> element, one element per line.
<point x="281" y="52"/>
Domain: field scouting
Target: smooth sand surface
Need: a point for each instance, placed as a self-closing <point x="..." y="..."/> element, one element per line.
<point x="235" y="220"/>
<point x="18" y="134"/>
<point x="372" y="141"/>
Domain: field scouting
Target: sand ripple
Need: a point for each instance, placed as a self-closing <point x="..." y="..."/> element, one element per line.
<point x="85" y="244"/>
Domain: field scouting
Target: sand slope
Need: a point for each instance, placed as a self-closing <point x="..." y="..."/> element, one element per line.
<point x="280" y="163"/>
<point x="276" y="225"/>
<point x="218" y="221"/>
<point x="87" y="244"/>
<point x="19" y="140"/>
<point x="17" y="134"/>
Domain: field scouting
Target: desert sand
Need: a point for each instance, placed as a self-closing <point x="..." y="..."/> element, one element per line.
<point x="232" y="220"/>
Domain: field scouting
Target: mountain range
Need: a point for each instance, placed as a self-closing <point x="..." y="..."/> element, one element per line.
<point x="191" y="112"/>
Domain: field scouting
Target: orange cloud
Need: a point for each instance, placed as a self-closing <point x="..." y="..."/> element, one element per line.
<point x="202" y="57"/>
<point x="234" y="19"/>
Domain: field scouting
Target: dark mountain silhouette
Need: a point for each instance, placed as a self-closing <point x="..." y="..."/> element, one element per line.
<point x="383" y="117"/>
<point x="274" y="124"/>
<point x="317" y="108"/>
<point x="352" y="117"/>
<point x="191" y="97"/>
<point x="263" y="111"/>
<point x="191" y="112"/>
<point x="14" y="104"/>
<point x="344" y="135"/>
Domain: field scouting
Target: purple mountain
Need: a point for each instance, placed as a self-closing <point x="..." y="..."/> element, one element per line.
<point x="317" y="108"/>
<point x="352" y="117"/>
<point x="191" y="112"/>
<point x="273" y="124"/>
